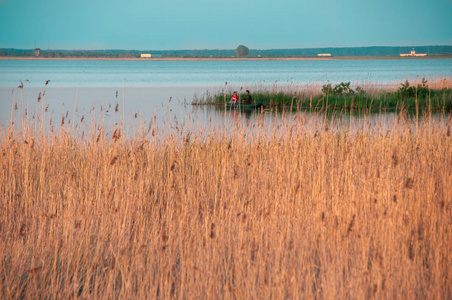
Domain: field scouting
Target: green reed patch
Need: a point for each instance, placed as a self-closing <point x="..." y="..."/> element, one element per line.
<point x="343" y="96"/>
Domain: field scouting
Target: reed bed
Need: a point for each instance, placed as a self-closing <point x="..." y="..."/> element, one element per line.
<point x="315" y="208"/>
<point x="437" y="94"/>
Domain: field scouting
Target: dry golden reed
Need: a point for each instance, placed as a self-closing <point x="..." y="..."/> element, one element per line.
<point x="314" y="89"/>
<point x="361" y="210"/>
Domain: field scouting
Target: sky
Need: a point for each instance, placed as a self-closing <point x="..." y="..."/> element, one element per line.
<point x="212" y="24"/>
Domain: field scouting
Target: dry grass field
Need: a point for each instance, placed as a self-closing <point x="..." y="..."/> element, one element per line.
<point x="315" y="209"/>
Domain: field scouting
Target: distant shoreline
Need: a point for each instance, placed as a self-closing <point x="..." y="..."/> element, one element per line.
<point x="228" y="58"/>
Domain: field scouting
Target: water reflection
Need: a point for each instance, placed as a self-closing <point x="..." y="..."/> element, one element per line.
<point x="147" y="111"/>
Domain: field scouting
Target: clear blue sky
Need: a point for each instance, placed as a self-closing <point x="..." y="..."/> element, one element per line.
<point x="201" y="24"/>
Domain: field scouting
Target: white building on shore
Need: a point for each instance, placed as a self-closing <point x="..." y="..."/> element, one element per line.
<point x="413" y="53"/>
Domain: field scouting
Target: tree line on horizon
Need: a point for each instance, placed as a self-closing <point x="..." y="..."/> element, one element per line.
<point x="241" y="51"/>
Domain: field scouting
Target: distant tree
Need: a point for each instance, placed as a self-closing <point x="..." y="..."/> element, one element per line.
<point x="242" y="51"/>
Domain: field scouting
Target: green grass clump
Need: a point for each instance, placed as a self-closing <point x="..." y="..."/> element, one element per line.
<point x="343" y="96"/>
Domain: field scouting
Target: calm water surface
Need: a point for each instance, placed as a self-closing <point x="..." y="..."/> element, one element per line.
<point x="163" y="88"/>
<point x="67" y="73"/>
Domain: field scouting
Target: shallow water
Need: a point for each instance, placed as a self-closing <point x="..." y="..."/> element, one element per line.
<point x="165" y="89"/>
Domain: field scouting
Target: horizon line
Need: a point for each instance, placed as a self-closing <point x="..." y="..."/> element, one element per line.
<point x="222" y="49"/>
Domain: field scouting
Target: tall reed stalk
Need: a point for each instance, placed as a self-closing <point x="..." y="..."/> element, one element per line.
<point x="313" y="208"/>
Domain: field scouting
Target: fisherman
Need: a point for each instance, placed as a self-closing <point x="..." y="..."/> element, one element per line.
<point x="234" y="98"/>
<point x="247" y="99"/>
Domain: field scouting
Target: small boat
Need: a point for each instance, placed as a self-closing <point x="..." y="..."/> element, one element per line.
<point x="242" y="106"/>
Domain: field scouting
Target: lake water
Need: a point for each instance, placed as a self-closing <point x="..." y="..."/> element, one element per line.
<point x="166" y="88"/>
<point x="67" y="73"/>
